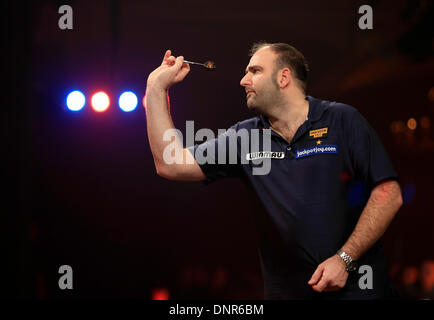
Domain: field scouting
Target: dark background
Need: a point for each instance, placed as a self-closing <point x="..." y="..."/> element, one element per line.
<point x="82" y="188"/>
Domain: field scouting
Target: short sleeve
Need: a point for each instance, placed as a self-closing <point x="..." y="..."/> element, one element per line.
<point x="219" y="163"/>
<point x="368" y="155"/>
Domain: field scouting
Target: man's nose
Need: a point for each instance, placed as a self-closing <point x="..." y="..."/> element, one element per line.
<point x="245" y="81"/>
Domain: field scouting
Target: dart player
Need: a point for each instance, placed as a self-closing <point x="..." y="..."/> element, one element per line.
<point x="319" y="240"/>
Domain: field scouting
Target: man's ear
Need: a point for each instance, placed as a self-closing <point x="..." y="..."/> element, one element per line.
<point x="285" y="78"/>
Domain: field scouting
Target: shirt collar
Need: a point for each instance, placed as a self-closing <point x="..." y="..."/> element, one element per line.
<point x="316" y="109"/>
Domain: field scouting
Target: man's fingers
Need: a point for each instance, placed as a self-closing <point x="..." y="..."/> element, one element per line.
<point x="166" y="57"/>
<point x="177" y="64"/>
<point x="185" y="69"/>
<point x="171" y="60"/>
<point x="328" y="276"/>
<point x="321" y="285"/>
<point x="179" y="61"/>
<point x="318" y="281"/>
<point x="316" y="276"/>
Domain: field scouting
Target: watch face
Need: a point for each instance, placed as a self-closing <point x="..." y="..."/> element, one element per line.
<point x="352" y="266"/>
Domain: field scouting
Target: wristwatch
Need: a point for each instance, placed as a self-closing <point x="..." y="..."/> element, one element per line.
<point x="351" y="265"/>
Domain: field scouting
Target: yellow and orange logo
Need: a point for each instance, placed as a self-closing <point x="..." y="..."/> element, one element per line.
<point x="318" y="133"/>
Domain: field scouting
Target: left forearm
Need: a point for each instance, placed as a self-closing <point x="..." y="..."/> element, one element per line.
<point x="384" y="202"/>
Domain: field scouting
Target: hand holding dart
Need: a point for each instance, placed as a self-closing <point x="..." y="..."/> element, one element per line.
<point x="173" y="70"/>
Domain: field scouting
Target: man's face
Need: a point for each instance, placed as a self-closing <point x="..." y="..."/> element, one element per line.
<point x="261" y="87"/>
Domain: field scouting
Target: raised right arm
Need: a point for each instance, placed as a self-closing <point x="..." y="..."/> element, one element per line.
<point x="159" y="121"/>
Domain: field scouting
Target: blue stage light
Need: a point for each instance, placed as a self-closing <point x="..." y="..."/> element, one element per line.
<point x="75" y="101"/>
<point x="128" y="101"/>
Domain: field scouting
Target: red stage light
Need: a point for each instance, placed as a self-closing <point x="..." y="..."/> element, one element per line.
<point x="160" y="294"/>
<point x="100" y="101"/>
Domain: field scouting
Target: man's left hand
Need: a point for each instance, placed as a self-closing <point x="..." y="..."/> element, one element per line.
<point x="331" y="275"/>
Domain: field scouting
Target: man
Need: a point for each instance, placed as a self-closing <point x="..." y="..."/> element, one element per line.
<point x="329" y="197"/>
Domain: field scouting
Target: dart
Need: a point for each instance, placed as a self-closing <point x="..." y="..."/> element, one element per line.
<point x="209" y="65"/>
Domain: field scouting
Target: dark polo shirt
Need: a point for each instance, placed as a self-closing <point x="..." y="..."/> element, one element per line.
<point x="313" y="195"/>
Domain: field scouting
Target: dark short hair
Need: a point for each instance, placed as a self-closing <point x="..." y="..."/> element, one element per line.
<point x="288" y="57"/>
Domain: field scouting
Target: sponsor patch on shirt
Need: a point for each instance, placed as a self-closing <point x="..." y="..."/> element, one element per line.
<point x="265" y="155"/>
<point x="327" y="148"/>
<point x="318" y="133"/>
